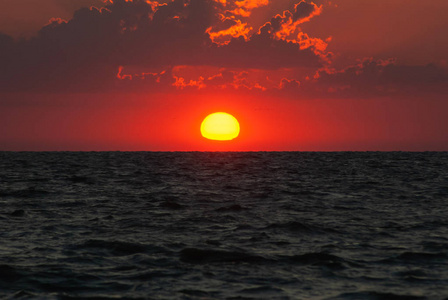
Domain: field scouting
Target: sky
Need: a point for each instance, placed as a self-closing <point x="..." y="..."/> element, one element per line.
<point x="340" y="75"/>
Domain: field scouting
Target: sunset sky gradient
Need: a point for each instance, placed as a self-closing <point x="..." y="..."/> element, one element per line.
<point x="298" y="75"/>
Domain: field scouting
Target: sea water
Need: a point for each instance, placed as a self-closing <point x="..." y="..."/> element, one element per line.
<point x="254" y="225"/>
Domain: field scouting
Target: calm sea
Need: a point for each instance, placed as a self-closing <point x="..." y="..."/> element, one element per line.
<point x="139" y="225"/>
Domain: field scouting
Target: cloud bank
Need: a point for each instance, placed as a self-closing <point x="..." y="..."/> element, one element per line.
<point x="153" y="46"/>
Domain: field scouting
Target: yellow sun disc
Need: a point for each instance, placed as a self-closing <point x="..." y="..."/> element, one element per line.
<point x="220" y="126"/>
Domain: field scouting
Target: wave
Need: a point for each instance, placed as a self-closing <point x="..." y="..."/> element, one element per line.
<point x="81" y="179"/>
<point x="231" y="208"/>
<point x="372" y="295"/>
<point x="320" y="259"/>
<point x="295" y="226"/>
<point x="30" y="192"/>
<point x="223" y="225"/>
<point x="417" y="257"/>
<point x="9" y="274"/>
<point x="201" y="256"/>
<point x="171" y="205"/>
<point x="115" y="248"/>
<point x="18" y="213"/>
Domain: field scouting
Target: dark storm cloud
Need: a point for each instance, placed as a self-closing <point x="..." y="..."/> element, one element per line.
<point x="303" y="11"/>
<point x="95" y="49"/>
<point x="263" y="52"/>
<point x="86" y="51"/>
<point x="80" y="53"/>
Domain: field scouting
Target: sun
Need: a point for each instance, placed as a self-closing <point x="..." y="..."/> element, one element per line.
<point x="220" y="126"/>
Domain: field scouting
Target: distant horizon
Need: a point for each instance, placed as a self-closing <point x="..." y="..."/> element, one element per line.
<point x="236" y="151"/>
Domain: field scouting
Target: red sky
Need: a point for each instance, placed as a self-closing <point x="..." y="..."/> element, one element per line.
<point x="298" y="75"/>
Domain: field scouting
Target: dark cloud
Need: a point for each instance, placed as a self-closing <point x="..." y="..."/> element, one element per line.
<point x="96" y="48"/>
<point x="289" y="21"/>
<point x="377" y="78"/>
<point x="86" y="51"/>
<point x="368" y="78"/>
<point x="264" y="52"/>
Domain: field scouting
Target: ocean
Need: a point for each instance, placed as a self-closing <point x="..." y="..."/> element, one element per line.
<point x="224" y="225"/>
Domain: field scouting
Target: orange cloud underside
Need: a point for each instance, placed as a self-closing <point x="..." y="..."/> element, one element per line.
<point x="223" y="36"/>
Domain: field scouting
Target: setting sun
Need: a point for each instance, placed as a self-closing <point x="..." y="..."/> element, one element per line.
<point x="220" y="126"/>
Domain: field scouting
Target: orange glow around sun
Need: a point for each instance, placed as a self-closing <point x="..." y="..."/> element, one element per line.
<point x="220" y="126"/>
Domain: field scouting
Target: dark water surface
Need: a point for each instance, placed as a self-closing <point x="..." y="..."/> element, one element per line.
<point x="224" y="225"/>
